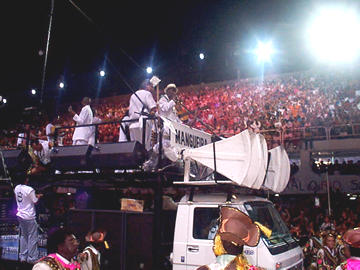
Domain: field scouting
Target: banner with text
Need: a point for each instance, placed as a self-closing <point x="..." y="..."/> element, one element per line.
<point x="318" y="183"/>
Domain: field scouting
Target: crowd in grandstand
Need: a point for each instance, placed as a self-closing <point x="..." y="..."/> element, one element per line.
<point x="285" y="102"/>
<point x="345" y="167"/>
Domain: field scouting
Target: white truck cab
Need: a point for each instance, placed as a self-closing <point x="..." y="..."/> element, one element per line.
<point x="196" y="225"/>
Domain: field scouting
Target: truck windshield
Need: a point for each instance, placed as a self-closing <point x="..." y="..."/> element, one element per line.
<point x="265" y="213"/>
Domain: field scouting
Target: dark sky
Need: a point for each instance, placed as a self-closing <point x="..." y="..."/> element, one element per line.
<point x="124" y="37"/>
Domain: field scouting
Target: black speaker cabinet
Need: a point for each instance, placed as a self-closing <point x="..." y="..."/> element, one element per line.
<point x="74" y="157"/>
<point x="120" y="155"/>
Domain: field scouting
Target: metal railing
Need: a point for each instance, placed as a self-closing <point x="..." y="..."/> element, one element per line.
<point x="277" y="136"/>
<point x="114" y="126"/>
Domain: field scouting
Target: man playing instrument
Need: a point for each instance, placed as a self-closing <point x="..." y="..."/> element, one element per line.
<point x="41" y="156"/>
<point x="167" y="103"/>
<point x="63" y="247"/>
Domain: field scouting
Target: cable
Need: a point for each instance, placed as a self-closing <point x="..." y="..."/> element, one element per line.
<point x="100" y="30"/>
<point x="123" y="51"/>
<point x="46" y="52"/>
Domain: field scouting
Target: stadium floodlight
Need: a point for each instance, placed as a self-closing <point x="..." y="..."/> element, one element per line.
<point x="334" y="34"/>
<point x="33" y="91"/>
<point x="201" y="56"/>
<point x="4" y="100"/>
<point x="264" y="51"/>
<point x="149" y="70"/>
<point x="102" y="73"/>
<point x="61" y="85"/>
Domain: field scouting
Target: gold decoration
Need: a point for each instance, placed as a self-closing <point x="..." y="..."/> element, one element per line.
<point x="264" y="229"/>
<point x="218" y="247"/>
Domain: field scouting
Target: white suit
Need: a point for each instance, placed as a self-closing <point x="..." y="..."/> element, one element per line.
<point x="167" y="109"/>
<point x="122" y="135"/>
<point x="96" y="120"/>
<point x="135" y="108"/>
<point x="82" y="134"/>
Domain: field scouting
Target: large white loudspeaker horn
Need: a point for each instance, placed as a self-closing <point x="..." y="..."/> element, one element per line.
<point x="278" y="173"/>
<point x="232" y="157"/>
<point x="262" y="160"/>
<point x="257" y="167"/>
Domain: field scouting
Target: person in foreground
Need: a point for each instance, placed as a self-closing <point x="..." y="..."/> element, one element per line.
<point x="352" y="238"/>
<point x="236" y="229"/>
<point x="62" y="247"/>
<point x="26" y="198"/>
<point x="90" y="257"/>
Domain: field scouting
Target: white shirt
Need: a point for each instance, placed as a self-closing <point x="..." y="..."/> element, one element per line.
<point x="96" y="120"/>
<point x="44" y="154"/>
<point x="25" y="199"/>
<point x="87" y="264"/>
<point x="48" y="132"/>
<point x="136" y="106"/>
<point x="122" y="135"/>
<point x="84" y="118"/>
<point x="167" y="108"/>
<point x="21" y="139"/>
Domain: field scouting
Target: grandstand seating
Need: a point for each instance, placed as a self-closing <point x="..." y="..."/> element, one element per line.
<point x="285" y="108"/>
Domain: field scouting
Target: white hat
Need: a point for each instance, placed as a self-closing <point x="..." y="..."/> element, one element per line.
<point x="171" y="85"/>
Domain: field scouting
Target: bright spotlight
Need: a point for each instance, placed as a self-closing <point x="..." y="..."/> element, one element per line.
<point x="4" y="100"/>
<point x="61" y="85"/>
<point x="102" y="73"/>
<point x="33" y="91"/>
<point x="264" y="51"/>
<point x="334" y="34"/>
<point x="202" y="56"/>
<point x="149" y="70"/>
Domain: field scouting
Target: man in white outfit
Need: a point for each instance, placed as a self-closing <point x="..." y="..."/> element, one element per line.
<point x="96" y="120"/>
<point x="166" y="108"/>
<point x="142" y="101"/>
<point x="50" y="129"/>
<point x="167" y="103"/>
<point x="82" y="135"/>
<point x="26" y="215"/>
<point x="124" y="135"/>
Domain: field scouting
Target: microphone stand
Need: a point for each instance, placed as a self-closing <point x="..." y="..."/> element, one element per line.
<point x="214" y="136"/>
<point x="211" y="129"/>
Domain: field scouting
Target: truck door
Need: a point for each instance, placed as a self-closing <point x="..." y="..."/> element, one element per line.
<point x="202" y="229"/>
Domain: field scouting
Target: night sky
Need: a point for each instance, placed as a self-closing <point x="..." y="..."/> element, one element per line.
<point x="124" y="37"/>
